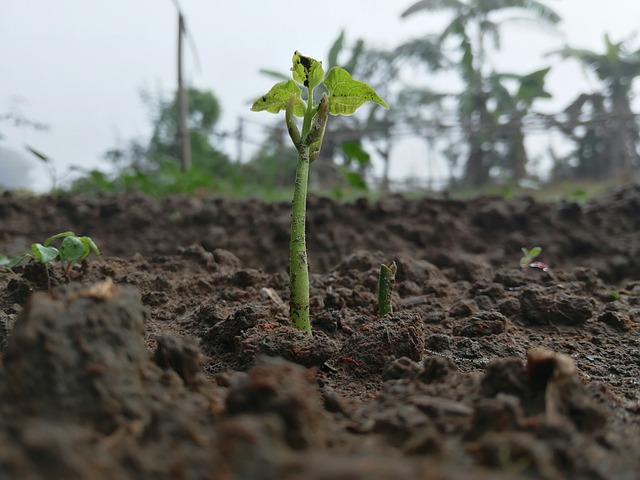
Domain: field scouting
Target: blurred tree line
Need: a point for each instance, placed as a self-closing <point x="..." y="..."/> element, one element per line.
<point x="480" y="128"/>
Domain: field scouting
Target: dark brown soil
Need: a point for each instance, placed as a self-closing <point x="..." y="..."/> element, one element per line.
<point x="170" y="356"/>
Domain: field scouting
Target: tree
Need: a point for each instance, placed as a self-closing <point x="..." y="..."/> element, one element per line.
<point x="204" y="113"/>
<point x="473" y="21"/>
<point x="511" y="107"/>
<point x="274" y="164"/>
<point x="153" y="165"/>
<point x="164" y="145"/>
<point x="612" y="123"/>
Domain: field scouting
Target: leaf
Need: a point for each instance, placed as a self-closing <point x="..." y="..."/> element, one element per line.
<point x="274" y="74"/>
<point x="335" y="50"/>
<point x="44" y="254"/>
<point x="354" y="151"/>
<point x="38" y="154"/>
<point x="346" y="95"/>
<point x="90" y="244"/>
<point x="73" y="248"/>
<point x="58" y="235"/>
<point x="276" y="99"/>
<point x="354" y="179"/>
<point x="12" y="262"/>
<point x="307" y="71"/>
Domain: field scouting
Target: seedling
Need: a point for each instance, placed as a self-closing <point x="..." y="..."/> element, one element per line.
<point x="386" y="280"/>
<point x="526" y="262"/>
<point x="343" y="96"/>
<point x="72" y="249"/>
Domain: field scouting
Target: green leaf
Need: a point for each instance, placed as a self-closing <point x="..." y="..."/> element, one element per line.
<point x="12" y="262"/>
<point x="307" y="71"/>
<point x="276" y="99"/>
<point x="335" y="50"/>
<point x="346" y="95"/>
<point x="274" y="74"/>
<point x="354" y="151"/>
<point x="38" y="154"/>
<point x="44" y="254"/>
<point x="354" y="179"/>
<point x="91" y="245"/>
<point x="73" y="248"/>
<point x="58" y="235"/>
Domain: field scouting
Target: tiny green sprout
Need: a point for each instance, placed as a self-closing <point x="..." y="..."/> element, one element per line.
<point x="528" y="256"/>
<point x="614" y="294"/>
<point x="527" y="263"/>
<point x="72" y="249"/>
<point x="343" y="96"/>
<point x="386" y="281"/>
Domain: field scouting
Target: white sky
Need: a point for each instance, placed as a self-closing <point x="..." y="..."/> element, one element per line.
<point x="79" y="65"/>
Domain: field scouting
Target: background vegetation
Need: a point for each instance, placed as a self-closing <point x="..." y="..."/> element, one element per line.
<point x="480" y="126"/>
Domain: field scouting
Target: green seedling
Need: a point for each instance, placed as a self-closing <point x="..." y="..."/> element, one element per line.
<point x="71" y="250"/>
<point x="527" y="263"/>
<point x="386" y="280"/>
<point x="343" y="96"/>
<point x="528" y="256"/>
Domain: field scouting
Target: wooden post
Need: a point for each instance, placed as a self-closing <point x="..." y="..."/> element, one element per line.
<point x="185" y="138"/>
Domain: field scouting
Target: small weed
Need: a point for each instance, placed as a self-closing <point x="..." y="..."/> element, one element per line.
<point x="527" y="263"/>
<point x="71" y="250"/>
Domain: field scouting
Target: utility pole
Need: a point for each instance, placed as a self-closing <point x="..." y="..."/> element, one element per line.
<point x="185" y="138"/>
<point x="239" y="139"/>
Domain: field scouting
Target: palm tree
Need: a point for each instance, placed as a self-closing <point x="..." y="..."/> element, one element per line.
<point x="472" y="22"/>
<point x="509" y="112"/>
<point x="616" y="68"/>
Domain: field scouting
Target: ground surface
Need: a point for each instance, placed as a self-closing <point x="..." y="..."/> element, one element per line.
<point x="174" y="367"/>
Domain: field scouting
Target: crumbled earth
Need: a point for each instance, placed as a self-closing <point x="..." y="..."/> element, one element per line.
<point x="170" y="356"/>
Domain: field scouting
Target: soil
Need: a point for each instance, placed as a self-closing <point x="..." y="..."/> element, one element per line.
<point x="170" y="355"/>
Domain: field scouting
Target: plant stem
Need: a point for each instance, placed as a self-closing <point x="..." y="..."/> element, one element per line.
<point x="385" y="286"/>
<point x="298" y="264"/>
<point x="299" y="267"/>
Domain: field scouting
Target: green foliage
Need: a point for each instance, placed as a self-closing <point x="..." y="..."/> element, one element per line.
<point x="354" y="154"/>
<point x="275" y="99"/>
<point x="528" y="256"/>
<point x="72" y="249"/>
<point x="608" y="142"/>
<point x="152" y="166"/>
<point x="345" y="96"/>
<point x="462" y="45"/>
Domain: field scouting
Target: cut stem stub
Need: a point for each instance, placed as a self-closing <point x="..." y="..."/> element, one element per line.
<point x="386" y="280"/>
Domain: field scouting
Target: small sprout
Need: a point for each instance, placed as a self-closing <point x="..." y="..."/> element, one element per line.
<point x="72" y="249"/>
<point x="527" y="263"/>
<point x="528" y="256"/>
<point x="614" y="294"/>
<point x="386" y="281"/>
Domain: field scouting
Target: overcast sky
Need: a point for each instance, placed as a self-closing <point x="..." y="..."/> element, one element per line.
<point x="79" y="65"/>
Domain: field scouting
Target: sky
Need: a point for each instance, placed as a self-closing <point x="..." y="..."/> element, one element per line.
<point x="79" y="66"/>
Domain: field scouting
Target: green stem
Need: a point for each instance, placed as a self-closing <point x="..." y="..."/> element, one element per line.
<point x="385" y="286"/>
<point x="299" y="267"/>
<point x="298" y="264"/>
